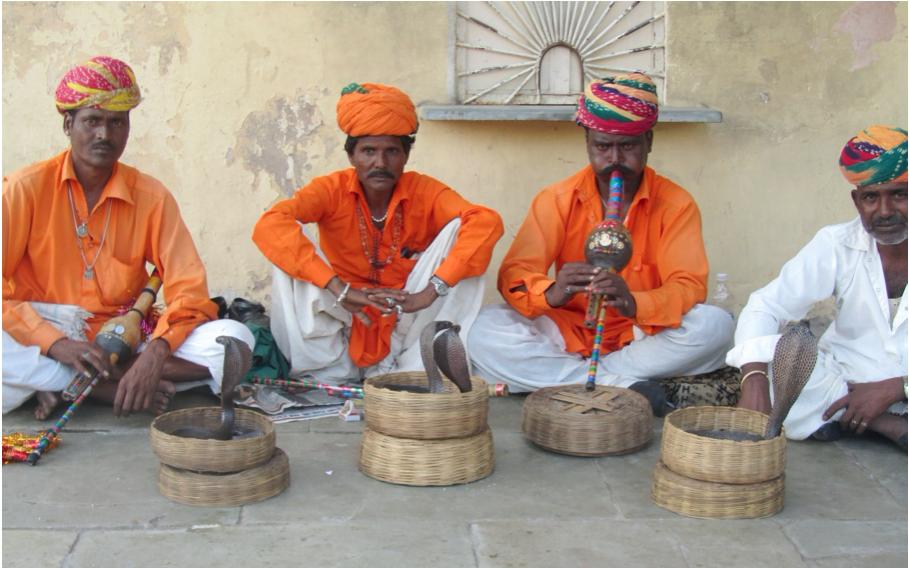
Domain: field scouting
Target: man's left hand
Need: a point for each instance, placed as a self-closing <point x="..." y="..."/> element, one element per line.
<point x="617" y="294"/>
<point x="136" y="390"/>
<point x="419" y="301"/>
<point x="866" y="401"/>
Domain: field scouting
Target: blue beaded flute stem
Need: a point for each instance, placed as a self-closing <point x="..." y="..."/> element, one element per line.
<point x="613" y="207"/>
<point x="54" y="430"/>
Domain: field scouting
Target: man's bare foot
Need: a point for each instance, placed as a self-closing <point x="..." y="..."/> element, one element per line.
<point x="163" y="396"/>
<point x="893" y="427"/>
<point x="47" y="403"/>
<point x="107" y="390"/>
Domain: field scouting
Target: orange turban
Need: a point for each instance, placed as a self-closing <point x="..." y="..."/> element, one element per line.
<point x="371" y="109"/>
<point x="101" y="82"/>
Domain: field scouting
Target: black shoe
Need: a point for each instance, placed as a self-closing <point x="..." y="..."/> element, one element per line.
<point x="655" y="395"/>
<point x="829" y="432"/>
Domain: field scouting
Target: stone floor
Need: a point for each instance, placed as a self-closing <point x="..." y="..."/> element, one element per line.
<point x="93" y="502"/>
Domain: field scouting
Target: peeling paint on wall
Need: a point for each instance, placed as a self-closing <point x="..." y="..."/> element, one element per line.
<point x="868" y="23"/>
<point x="278" y="141"/>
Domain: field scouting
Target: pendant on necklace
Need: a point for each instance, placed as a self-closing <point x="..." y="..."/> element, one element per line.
<point x="82" y="230"/>
<point x="88" y="274"/>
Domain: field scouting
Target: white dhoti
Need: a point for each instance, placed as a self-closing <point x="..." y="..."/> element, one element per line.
<point x="26" y="370"/>
<point x="827" y="384"/>
<point x="313" y="332"/>
<point x="529" y="354"/>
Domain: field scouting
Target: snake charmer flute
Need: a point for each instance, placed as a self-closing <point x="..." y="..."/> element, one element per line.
<point x="608" y="246"/>
<point x="118" y="338"/>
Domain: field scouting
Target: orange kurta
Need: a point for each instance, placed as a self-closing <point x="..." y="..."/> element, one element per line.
<point x="332" y="201"/>
<point x="41" y="259"/>
<point x="667" y="274"/>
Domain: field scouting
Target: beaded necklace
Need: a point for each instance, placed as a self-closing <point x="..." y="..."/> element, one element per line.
<point x="376" y="265"/>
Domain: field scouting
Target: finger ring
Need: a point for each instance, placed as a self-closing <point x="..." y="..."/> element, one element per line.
<point x="864" y="424"/>
<point x="389" y="301"/>
<point x="854" y="421"/>
<point x="567" y="291"/>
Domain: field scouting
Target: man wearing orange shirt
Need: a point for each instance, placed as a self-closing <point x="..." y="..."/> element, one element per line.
<point x="396" y="250"/>
<point x="656" y="325"/>
<point x="78" y="230"/>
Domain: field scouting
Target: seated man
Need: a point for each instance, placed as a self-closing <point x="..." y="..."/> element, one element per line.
<point x="655" y="326"/>
<point x="395" y="251"/>
<point x="861" y="368"/>
<point x="78" y="230"/>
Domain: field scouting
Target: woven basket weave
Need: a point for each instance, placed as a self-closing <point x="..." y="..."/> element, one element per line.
<point x="707" y="500"/>
<point x="426" y="462"/>
<point x="623" y="424"/>
<point x="226" y="490"/>
<point x="221" y="456"/>
<point x="424" y="416"/>
<point x="722" y="461"/>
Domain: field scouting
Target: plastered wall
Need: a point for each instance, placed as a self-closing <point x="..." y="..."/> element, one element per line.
<point x="239" y="105"/>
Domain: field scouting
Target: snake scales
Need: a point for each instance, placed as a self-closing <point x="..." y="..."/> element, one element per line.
<point x="442" y="350"/>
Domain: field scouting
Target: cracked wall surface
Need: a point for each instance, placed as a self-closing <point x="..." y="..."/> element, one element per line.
<point x="239" y="110"/>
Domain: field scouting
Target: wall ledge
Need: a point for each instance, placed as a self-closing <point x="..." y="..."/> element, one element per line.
<point x="550" y="113"/>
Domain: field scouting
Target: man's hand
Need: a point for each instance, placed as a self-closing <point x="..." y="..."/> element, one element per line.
<point x="615" y="292"/>
<point x="136" y="389"/>
<point x="419" y="301"/>
<point x="81" y="354"/>
<point x="866" y="401"/>
<point x="574" y="277"/>
<point x="756" y="389"/>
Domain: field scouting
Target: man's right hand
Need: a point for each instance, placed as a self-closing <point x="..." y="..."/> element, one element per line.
<point x="574" y="277"/>
<point x="79" y="354"/>
<point x="756" y="389"/>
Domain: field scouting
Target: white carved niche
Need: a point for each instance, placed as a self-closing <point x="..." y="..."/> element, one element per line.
<point x="545" y="52"/>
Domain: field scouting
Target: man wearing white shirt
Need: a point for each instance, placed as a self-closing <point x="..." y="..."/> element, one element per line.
<point x="859" y="382"/>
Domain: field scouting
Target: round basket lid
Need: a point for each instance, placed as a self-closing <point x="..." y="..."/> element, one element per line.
<point x="571" y="420"/>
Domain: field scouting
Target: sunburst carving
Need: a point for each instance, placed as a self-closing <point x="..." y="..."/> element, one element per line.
<point x="544" y="52"/>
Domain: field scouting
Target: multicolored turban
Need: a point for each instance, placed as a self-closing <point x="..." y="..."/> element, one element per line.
<point x="875" y="155"/>
<point x="101" y="82"/>
<point x="623" y="104"/>
<point x="371" y="109"/>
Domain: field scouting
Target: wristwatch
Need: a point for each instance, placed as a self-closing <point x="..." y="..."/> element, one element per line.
<point x="906" y="386"/>
<point x="440" y="285"/>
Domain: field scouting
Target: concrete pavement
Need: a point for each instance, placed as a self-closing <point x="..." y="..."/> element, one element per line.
<point x="93" y="502"/>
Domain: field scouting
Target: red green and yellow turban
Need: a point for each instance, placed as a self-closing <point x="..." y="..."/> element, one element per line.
<point x="371" y="109"/>
<point x="101" y="82"/>
<point x="875" y="155"/>
<point x="622" y="104"/>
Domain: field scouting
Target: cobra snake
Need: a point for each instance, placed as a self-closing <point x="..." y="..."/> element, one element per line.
<point x="793" y="361"/>
<point x="237" y="362"/>
<point x="442" y="350"/>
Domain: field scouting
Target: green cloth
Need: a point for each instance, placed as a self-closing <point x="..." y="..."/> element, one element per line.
<point x="268" y="361"/>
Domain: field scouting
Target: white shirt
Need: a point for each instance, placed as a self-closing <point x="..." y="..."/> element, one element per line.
<point x="843" y="261"/>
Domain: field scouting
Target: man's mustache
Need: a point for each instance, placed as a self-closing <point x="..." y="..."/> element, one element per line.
<point x="102" y="146"/>
<point x="891" y="221"/>
<point x="607" y="171"/>
<point x="380" y="173"/>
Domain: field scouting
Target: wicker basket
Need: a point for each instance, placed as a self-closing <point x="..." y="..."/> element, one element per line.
<point x="722" y="461"/>
<point x="424" y="416"/>
<point x="569" y="420"/>
<point x="222" y="456"/>
<point x="707" y="500"/>
<point x="426" y="462"/>
<point x="226" y="490"/>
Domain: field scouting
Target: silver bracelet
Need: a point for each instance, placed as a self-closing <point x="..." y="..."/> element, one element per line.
<point x="342" y="296"/>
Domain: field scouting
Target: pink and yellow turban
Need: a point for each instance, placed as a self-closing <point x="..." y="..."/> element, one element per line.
<point x="623" y="104"/>
<point x="875" y="155"/>
<point x="371" y="109"/>
<point x="101" y="82"/>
